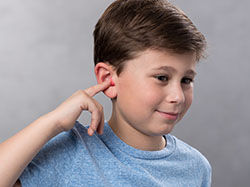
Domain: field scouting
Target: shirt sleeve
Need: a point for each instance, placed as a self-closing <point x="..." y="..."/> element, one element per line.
<point x="207" y="174"/>
<point x="51" y="162"/>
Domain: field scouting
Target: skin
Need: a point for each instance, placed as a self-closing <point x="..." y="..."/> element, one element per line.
<point x="143" y="96"/>
<point x="17" y="151"/>
<point x="153" y="84"/>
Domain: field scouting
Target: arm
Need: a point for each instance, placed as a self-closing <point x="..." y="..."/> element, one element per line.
<point x="18" y="151"/>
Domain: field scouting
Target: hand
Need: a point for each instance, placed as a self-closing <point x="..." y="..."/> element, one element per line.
<point x="20" y="149"/>
<point x="69" y="111"/>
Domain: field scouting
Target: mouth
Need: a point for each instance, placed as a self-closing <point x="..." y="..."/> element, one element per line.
<point x="169" y="115"/>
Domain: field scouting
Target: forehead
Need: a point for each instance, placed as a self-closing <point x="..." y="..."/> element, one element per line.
<point x="155" y="60"/>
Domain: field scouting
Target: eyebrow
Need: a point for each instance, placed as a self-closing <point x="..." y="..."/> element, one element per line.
<point x="171" y="69"/>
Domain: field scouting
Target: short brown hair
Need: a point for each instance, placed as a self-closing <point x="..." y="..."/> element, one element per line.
<point x="128" y="27"/>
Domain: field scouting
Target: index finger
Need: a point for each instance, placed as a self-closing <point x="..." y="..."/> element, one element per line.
<point x="93" y="90"/>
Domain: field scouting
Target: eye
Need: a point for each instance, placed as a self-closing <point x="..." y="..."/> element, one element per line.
<point x="187" y="80"/>
<point x="162" y="78"/>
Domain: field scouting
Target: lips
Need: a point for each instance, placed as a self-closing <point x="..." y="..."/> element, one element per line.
<point x="169" y="115"/>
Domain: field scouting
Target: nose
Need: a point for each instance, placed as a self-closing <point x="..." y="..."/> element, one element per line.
<point x="175" y="94"/>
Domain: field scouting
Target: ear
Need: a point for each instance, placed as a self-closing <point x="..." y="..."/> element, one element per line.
<point x="103" y="72"/>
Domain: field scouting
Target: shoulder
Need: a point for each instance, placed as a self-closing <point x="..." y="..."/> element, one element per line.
<point x="186" y="151"/>
<point x="64" y="146"/>
<point x="67" y="139"/>
<point x="191" y="162"/>
<point x="72" y="136"/>
<point x="58" y="158"/>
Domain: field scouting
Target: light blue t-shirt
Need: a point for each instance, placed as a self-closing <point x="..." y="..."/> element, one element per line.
<point x="74" y="159"/>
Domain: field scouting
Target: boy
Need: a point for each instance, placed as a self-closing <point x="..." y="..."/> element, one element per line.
<point x="145" y="56"/>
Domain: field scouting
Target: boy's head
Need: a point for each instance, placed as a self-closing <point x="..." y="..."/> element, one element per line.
<point x="128" y="27"/>
<point x="150" y="50"/>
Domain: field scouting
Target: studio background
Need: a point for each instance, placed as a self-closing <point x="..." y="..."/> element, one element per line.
<point x="46" y="54"/>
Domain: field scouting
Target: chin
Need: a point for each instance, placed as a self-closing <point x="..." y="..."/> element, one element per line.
<point x="162" y="131"/>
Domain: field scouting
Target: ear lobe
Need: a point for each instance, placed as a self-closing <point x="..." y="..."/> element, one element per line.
<point x="103" y="72"/>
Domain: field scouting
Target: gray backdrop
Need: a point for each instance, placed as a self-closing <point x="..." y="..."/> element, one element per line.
<point x="46" y="55"/>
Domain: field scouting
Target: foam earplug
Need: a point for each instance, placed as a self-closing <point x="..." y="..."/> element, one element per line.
<point x="112" y="82"/>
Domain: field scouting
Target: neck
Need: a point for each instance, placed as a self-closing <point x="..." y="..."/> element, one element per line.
<point x="134" y="138"/>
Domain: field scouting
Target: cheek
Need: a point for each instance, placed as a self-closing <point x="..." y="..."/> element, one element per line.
<point x="139" y="94"/>
<point x="152" y="96"/>
<point x="187" y="104"/>
<point x="148" y="93"/>
<point x="188" y="99"/>
<point x="127" y="93"/>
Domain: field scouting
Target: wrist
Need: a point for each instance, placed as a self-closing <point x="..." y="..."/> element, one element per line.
<point x="50" y="121"/>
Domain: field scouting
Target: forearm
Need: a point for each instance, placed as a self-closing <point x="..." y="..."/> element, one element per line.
<point x="18" y="151"/>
